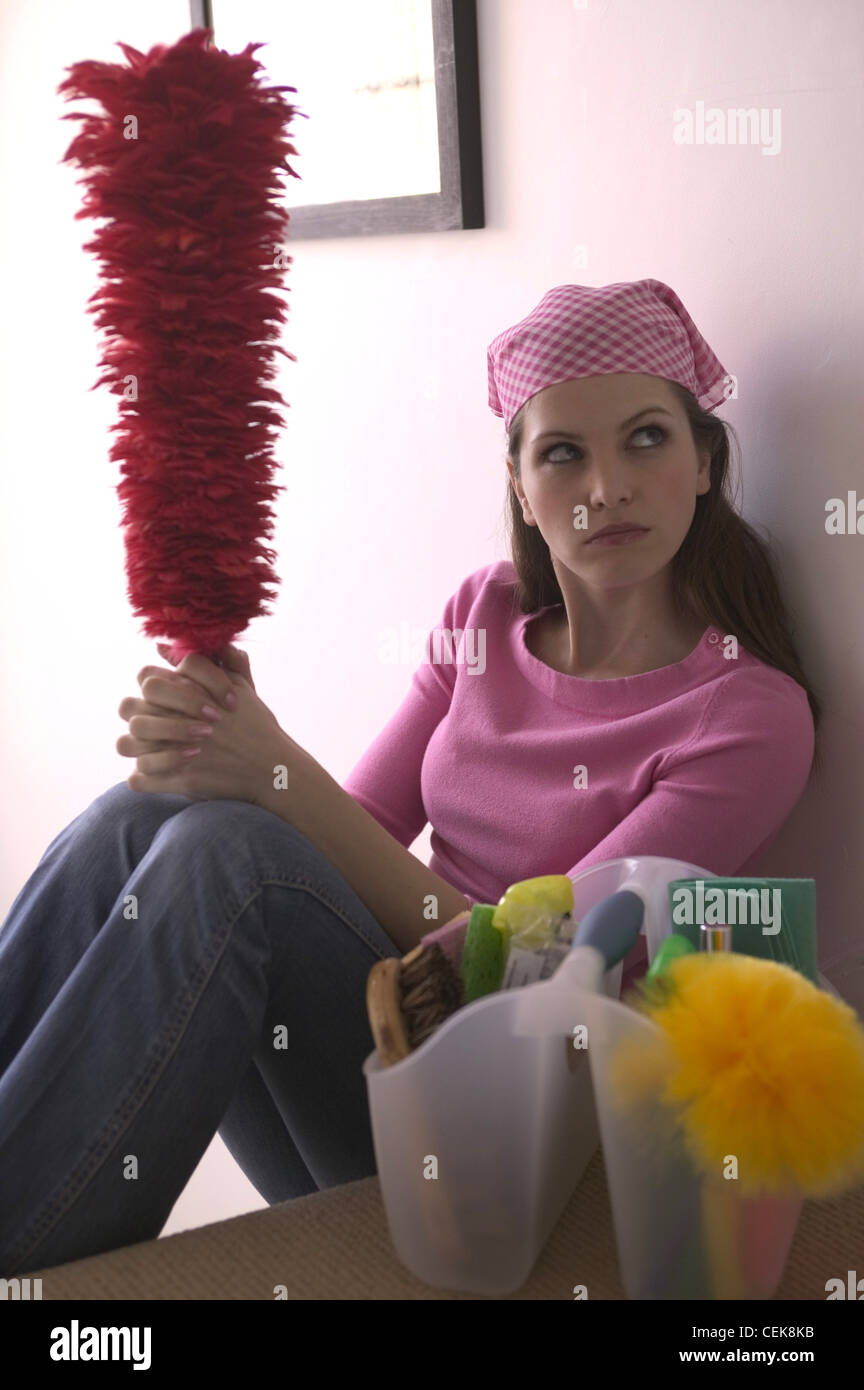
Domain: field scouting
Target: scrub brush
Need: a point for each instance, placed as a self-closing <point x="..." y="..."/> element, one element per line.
<point x="408" y="999"/>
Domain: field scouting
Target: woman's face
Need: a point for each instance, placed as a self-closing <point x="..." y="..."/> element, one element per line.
<point x="646" y="472"/>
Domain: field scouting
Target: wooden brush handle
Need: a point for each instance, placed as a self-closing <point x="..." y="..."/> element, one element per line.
<point x="385" y="1010"/>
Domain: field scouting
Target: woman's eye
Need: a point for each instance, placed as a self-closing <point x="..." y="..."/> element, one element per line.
<point x="643" y="429"/>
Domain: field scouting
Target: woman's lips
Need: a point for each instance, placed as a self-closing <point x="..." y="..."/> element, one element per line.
<point x="619" y="537"/>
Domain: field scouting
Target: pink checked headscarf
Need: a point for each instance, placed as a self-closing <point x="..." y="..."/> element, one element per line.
<point x="576" y="330"/>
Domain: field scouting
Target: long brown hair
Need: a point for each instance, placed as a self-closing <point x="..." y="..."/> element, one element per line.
<point x="723" y="573"/>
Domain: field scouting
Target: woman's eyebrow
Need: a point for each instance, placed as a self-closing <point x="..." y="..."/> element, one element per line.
<point x="649" y="410"/>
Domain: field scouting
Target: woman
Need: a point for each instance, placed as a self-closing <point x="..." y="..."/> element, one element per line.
<point x="191" y="952"/>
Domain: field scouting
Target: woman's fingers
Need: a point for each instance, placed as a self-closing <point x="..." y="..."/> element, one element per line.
<point x="151" y="728"/>
<point x="164" y="691"/>
<point x="167" y="760"/>
<point x="229" y="657"/>
<point x="233" y="659"/>
<point x="163" y="729"/>
<point x="130" y="747"/>
<point x="215" y="682"/>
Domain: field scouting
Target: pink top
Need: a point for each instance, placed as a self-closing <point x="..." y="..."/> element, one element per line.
<point x="701" y="761"/>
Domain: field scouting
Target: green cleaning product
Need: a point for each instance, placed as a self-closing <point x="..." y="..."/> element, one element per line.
<point x="772" y="918"/>
<point x="483" y="955"/>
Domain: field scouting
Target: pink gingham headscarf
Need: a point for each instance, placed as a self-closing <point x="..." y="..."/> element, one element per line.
<point x="576" y="330"/>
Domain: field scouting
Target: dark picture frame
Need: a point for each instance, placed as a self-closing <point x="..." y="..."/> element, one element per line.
<point x="459" y="204"/>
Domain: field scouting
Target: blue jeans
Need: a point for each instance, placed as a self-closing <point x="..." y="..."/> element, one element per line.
<point x="171" y="968"/>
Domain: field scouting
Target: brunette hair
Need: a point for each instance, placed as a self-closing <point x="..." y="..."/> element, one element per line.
<point x="723" y="573"/>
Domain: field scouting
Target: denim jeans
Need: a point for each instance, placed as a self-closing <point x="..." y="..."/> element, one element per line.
<point x="171" y="968"/>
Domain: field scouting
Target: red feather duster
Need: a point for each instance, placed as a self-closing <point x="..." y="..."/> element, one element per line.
<point x="182" y="165"/>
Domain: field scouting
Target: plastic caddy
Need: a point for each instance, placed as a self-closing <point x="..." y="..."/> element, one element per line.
<point x="482" y="1134"/>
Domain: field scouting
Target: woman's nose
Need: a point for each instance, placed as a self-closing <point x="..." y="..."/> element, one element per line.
<point x="607" y="484"/>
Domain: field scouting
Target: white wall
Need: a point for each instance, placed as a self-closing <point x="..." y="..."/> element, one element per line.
<point x="394" y="463"/>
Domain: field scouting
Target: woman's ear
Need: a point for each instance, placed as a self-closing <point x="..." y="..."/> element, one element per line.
<point x="703" y="477"/>
<point x="512" y="472"/>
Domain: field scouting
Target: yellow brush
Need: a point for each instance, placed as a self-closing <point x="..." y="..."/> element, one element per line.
<point x="758" y="1063"/>
<point x="750" y="1062"/>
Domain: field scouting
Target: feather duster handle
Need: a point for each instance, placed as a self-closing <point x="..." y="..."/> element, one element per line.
<point x="181" y="164"/>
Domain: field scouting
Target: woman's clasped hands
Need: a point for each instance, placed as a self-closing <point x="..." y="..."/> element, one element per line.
<point x="202" y="731"/>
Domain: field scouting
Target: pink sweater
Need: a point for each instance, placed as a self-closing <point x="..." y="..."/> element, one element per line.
<point x="701" y="761"/>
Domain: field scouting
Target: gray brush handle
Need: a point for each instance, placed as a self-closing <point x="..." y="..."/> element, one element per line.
<point x="612" y="926"/>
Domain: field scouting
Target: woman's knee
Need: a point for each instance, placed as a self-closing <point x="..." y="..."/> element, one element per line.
<point x="222" y="823"/>
<point x="223" y="816"/>
<point x="119" y="804"/>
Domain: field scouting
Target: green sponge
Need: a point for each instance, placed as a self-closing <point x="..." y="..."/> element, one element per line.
<point x="484" y="954"/>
